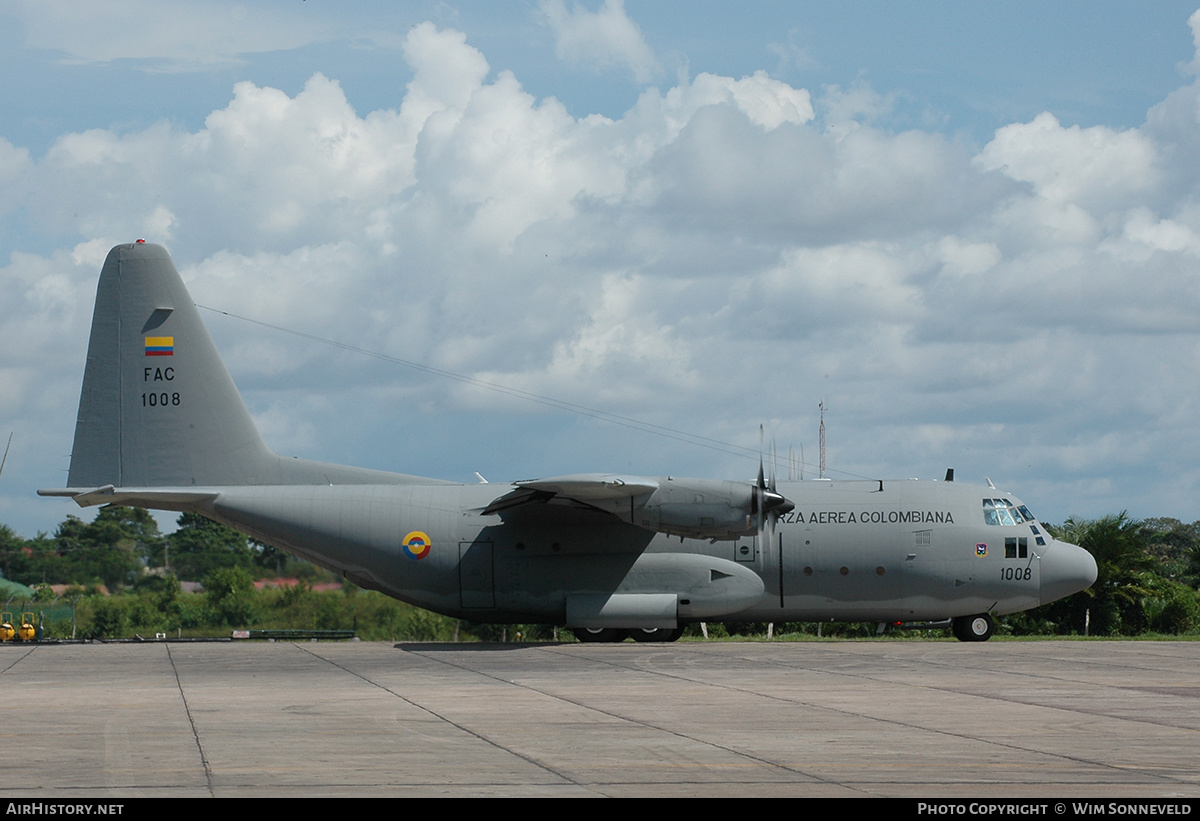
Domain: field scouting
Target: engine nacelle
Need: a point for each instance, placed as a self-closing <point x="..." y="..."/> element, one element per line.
<point x="698" y="508"/>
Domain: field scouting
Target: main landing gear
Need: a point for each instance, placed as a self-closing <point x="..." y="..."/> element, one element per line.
<point x="973" y="628"/>
<point x="590" y="634"/>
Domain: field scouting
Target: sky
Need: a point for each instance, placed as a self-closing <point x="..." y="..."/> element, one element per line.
<point x="527" y="239"/>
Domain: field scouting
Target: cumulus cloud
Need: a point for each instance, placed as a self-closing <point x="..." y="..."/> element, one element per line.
<point x="1094" y="168"/>
<point x="1194" y="24"/>
<point x="710" y="259"/>
<point x="599" y="40"/>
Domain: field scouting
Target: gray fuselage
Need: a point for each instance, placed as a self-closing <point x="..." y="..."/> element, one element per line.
<point x="849" y="551"/>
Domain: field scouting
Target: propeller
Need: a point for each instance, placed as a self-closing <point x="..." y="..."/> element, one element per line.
<point x="768" y="503"/>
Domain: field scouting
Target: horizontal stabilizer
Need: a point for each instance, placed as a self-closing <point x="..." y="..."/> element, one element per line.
<point x="156" y="498"/>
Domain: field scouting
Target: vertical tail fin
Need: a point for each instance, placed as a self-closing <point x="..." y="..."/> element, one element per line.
<point x="158" y="407"/>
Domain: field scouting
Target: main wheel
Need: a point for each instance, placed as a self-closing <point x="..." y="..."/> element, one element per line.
<point x="655" y="634"/>
<point x="590" y="634"/>
<point x="973" y="628"/>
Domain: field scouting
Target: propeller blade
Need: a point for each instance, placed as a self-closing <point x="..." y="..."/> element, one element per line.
<point x="761" y="478"/>
<point x="760" y="487"/>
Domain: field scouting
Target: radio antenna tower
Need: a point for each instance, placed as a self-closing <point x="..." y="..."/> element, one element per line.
<point x="821" y="405"/>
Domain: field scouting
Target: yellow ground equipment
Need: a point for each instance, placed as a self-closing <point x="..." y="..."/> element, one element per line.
<point x="6" y="627"/>
<point x="26" y="631"/>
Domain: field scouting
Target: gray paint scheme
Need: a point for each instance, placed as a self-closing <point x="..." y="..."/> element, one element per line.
<point x="170" y="431"/>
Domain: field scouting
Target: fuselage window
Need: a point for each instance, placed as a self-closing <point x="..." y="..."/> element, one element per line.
<point x="1016" y="547"/>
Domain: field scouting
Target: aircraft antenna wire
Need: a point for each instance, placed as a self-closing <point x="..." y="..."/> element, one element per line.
<point x="558" y="404"/>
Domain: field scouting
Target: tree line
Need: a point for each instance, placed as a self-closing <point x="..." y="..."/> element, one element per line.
<point x="125" y="577"/>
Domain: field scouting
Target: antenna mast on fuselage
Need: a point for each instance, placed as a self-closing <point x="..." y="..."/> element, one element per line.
<point x="821" y="406"/>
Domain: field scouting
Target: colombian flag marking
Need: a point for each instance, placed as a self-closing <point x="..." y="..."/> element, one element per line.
<point x="160" y="346"/>
<point x="416" y="545"/>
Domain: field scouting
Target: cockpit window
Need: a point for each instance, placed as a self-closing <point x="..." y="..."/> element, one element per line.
<point x="1015" y="512"/>
<point x="989" y="513"/>
<point x="1004" y="512"/>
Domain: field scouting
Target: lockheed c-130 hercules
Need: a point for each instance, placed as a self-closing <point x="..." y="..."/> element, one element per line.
<point x="161" y="425"/>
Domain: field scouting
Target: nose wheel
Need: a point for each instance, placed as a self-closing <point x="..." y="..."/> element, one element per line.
<point x="973" y="628"/>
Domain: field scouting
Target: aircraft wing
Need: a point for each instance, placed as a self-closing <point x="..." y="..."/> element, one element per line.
<point x="598" y="490"/>
<point x="699" y="508"/>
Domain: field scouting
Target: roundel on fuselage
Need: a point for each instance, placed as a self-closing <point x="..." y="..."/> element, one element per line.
<point x="417" y="545"/>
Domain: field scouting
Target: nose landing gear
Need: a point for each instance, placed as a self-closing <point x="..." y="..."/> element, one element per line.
<point x="973" y="628"/>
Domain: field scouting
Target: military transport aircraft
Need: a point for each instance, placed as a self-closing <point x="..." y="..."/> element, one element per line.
<point x="161" y="425"/>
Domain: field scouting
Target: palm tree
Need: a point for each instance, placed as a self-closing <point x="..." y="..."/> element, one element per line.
<point x="1123" y="566"/>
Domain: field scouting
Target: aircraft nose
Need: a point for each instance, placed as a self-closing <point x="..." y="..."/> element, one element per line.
<point x="1066" y="569"/>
